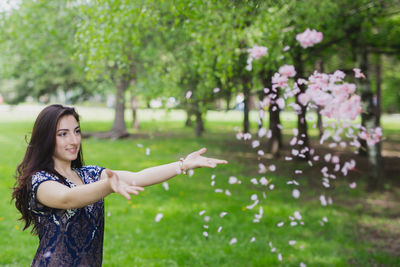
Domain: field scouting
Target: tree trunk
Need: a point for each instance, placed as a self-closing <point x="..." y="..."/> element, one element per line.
<point x="135" y="120"/>
<point x="118" y="129"/>
<point x="319" y="66"/>
<point x="378" y="103"/>
<point x="199" y="122"/>
<point x="189" y="113"/>
<point x="274" y="144"/>
<point x="246" y="101"/>
<point x="320" y="124"/>
<point x="370" y="120"/>
<point x="303" y="141"/>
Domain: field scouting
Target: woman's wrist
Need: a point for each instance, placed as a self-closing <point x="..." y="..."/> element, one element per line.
<point x="182" y="166"/>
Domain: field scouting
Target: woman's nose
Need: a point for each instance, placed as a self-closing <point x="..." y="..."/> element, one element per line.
<point x="75" y="139"/>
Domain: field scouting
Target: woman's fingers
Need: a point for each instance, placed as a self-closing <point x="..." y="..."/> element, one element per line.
<point x="202" y="151"/>
<point x="134" y="189"/>
<point x="218" y="161"/>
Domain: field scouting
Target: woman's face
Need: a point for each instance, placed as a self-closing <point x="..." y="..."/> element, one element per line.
<point x="68" y="139"/>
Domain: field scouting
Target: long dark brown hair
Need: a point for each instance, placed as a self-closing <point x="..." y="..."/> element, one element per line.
<point x="39" y="157"/>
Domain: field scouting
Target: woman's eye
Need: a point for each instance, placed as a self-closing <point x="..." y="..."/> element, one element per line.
<point x="78" y="131"/>
<point x="62" y="134"/>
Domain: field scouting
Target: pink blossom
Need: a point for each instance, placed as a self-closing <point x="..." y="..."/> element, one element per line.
<point x="309" y="38"/>
<point x="301" y="81"/>
<point x="287" y="70"/>
<point x="258" y="51"/>
<point x="279" y="80"/>
<point x="372" y="136"/>
<point x="358" y="74"/>
<point x="337" y="76"/>
<point x="255" y="53"/>
<point x="281" y="103"/>
<point x="304" y="98"/>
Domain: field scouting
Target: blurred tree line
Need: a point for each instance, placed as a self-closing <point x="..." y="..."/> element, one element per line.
<point x="199" y="48"/>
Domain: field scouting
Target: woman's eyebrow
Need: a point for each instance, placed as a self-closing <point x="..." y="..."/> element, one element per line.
<point x="77" y="127"/>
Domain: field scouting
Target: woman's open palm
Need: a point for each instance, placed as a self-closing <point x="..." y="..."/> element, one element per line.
<point x="196" y="160"/>
<point x="120" y="186"/>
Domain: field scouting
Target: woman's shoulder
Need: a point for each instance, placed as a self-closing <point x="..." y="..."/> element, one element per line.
<point x="43" y="175"/>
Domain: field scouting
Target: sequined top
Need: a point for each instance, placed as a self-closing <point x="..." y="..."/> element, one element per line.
<point x="71" y="237"/>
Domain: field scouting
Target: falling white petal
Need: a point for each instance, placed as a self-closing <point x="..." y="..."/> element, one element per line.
<point x="261" y="132"/>
<point x="262" y="168"/>
<point x="202" y="212"/>
<point x="263" y="181"/>
<point x="158" y="217"/>
<point x="254" y="181"/>
<point x="296" y="193"/>
<point x="233" y="241"/>
<point x="252" y="205"/>
<point x="233" y="180"/>
<point x="322" y="200"/>
<point x="272" y="167"/>
<point x="353" y="185"/>
<point x="297" y="215"/>
<point x="222" y="214"/>
<point x="165" y="185"/>
<point x="271" y="187"/>
<point x="255" y="143"/>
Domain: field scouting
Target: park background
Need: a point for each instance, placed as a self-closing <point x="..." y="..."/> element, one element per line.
<point x="155" y="80"/>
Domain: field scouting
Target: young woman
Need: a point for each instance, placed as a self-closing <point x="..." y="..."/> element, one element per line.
<point x="64" y="200"/>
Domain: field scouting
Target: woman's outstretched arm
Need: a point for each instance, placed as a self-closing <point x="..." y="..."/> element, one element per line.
<point x="56" y="195"/>
<point x="159" y="174"/>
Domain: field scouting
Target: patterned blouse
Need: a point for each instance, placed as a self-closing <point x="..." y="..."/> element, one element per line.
<point x="71" y="237"/>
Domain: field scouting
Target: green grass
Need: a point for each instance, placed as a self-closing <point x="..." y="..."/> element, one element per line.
<point x="133" y="238"/>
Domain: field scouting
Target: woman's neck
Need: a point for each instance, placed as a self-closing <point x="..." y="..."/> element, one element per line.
<point x="62" y="167"/>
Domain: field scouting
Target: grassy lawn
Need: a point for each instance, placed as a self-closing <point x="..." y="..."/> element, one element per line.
<point x="335" y="235"/>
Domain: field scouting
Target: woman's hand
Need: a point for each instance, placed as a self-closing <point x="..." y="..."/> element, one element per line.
<point x="196" y="160"/>
<point x="120" y="186"/>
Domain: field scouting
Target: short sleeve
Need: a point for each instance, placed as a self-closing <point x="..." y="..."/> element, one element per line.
<point x="37" y="179"/>
<point x="90" y="173"/>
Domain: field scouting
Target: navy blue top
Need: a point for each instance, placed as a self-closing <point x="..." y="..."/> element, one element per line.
<point x="71" y="237"/>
